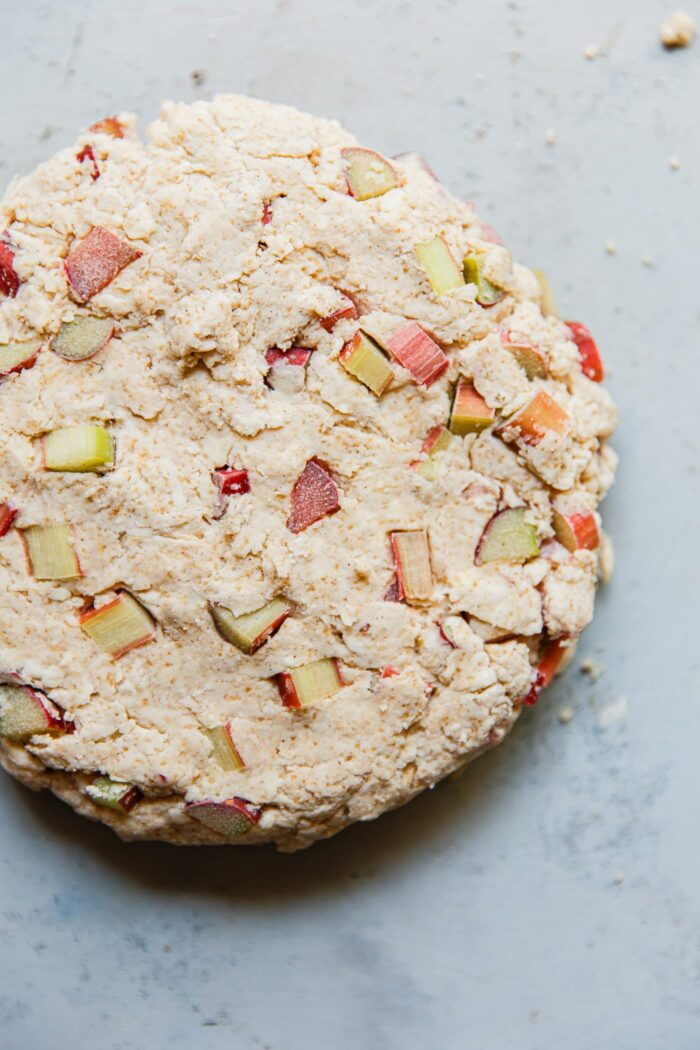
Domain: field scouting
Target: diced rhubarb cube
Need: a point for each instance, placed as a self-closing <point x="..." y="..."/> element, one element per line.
<point x="591" y="363"/>
<point x="231" y="481"/>
<point x="470" y="413"/>
<point x="113" y="794"/>
<point x="314" y="496"/>
<point x="8" y="513"/>
<point x="25" y="712"/>
<point x="436" y="441"/>
<point x="576" y="531"/>
<point x="508" y="537"/>
<point x="541" y="416"/>
<point x="9" y="281"/>
<point x="119" y="626"/>
<point x="286" y="372"/>
<point x="109" y="126"/>
<point x="251" y="630"/>
<point x="530" y="358"/>
<point x="49" y="552"/>
<point x="412" y="557"/>
<point x="547" y="304"/>
<point x="367" y="173"/>
<point x="363" y="359"/>
<point x="309" y="684"/>
<point x="78" y="449"/>
<point x="231" y="818"/>
<point x="443" y="273"/>
<point x="420" y="355"/>
<point x="88" y="154"/>
<point x="14" y="357"/>
<point x="96" y="261"/>
<point x="346" y="310"/>
<point x="550" y="659"/>
<point x="487" y="294"/>
<point x="82" y="338"/>
<point x="224" y="750"/>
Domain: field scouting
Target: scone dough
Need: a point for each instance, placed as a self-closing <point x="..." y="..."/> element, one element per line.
<point x="248" y="240"/>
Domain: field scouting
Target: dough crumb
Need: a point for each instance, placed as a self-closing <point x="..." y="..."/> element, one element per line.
<point x="647" y="260"/>
<point x="606" y="551"/>
<point x="619" y="879"/>
<point x="678" y="30"/>
<point x="550" y="136"/>
<point x="591" y="669"/>
<point x="565" y="714"/>
<point x="591" y="52"/>
<point x="674" y="163"/>
<point x="612" y="713"/>
<point x="610" y="247"/>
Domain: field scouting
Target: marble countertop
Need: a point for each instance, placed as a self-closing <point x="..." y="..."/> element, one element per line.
<point x="549" y="897"/>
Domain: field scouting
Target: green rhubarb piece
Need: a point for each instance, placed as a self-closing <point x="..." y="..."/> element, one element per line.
<point x="79" y="449"/>
<point x="443" y="273"/>
<point x="486" y="291"/>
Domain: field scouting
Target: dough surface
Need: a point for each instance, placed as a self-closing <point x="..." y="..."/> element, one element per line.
<point x="244" y="238"/>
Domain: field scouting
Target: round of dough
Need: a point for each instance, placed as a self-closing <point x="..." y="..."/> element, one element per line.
<point x="299" y="477"/>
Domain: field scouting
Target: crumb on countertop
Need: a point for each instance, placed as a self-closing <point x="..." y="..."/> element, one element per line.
<point x="550" y="136"/>
<point x="674" y="163"/>
<point x="565" y="714"/>
<point x="647" y="260"/>
<point x="591" y="51"/>
<point x="678" y="30"/>
<point x="610" y="247"/>
<point x="591" y="669"/>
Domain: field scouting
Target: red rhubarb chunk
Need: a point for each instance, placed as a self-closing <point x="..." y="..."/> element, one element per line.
<point x="591" y="363"/>
<point x="287" y="690"/>
<point x="418" y="353"/>
<point x="296" y="355"/>
<point x="231" y="482"/>
<point x="552" y="655"/>
<point x="390" y="672"/>
<point x="346" y="310"/>
<point x="96" y="261"/>
<point x="8" y="513"/>
<point x="9" y="281"/>
<point x="88" y="154"/>
<point x="109" y="126"/>
<point x="394" y="593"/>
<point x="314" y="496"/>
<point x="267" y="213"/>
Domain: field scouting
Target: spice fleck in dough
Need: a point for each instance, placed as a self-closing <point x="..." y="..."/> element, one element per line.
<point x="298" y="483"/>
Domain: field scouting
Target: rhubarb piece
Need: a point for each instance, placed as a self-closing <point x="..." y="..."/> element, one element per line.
<point x="266" y="217"/>
<point x="307" y="685"/>
<point x="8" y="513"/>
<point x="412" y="557"/>
<point x="314" y="496"/>
<point x="547" y="303"/>
<point x="223" y="748"/>
<point x="487" y="294"/>
<point x="363" y="359"/>
<point x="508" y="537"/>
<point x="576" y="531"/>
<point x="109" y="126"/>
<point x="551" y="657"/>
<point x="542" y="415"/>
<point x="420" y="355"/>
<point x="591" y="363"/>
<point x="393" y="592"/>
<point x="9" y="281"/>
<point x="286" y="372"/>
<point x="436" y="441"/>
<point x="470" y="413"/>
<point x="346" y="310"/>
<point x="231" y="481"/>
<point x="367" y="173"/>
<point x="443" y="273"/>
<point x="390" y="672"/>
<point x="88" y="154"/>
<point x="530" y="358"/>
<point x="49" y="552"/>
<point x="16" y="356"/>
<point x="251" y="630"/>
<point x="82" y="338"/>
<point x="78" y="449"/>
<point x="232" y="818"/>
<point x="416" y="158"/>
<point x="96" y="261"/>
<point x="113" y="794"/>
<point x="119" y="626"/>
<point x="25" y="712"/>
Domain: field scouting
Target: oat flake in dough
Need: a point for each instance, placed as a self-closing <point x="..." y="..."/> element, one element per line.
<point x="243" y="241"/>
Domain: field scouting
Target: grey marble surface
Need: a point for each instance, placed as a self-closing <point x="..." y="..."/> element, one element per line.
<point x="549" y="898"/>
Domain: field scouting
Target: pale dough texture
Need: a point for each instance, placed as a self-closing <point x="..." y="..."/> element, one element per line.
<point x="182" y="388"/>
